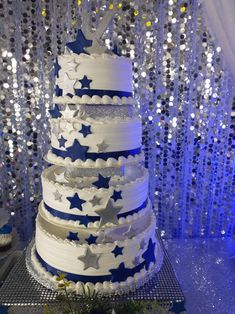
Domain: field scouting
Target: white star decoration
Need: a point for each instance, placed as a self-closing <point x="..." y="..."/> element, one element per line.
<point x="69" y="127"/>
<point x="66" y="113"/>
<point x="55" y="128"/>
<point x="66" y="84"/>
<point x="90" y="259"/>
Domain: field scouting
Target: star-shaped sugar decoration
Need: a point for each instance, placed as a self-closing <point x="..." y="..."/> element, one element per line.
<point x="117" y="195"/>
<point x="66" y="84"/>
<point x="95" y="201"/>
<point x="72" y="65"/>
<point x="57" y="68"/>
<point x="62" y="141"/>
<point x="102" y="182"/>
<point x="102" y="147"/>
<point x="55" y="128"/>
<point x="108" y="214"/>
<point x="121" y="273"/>
<point x="131" y="232"/>
<point x="77" y="151"/>
<point x="57" y="196"/>
<point x="117" y="250"/>
<point x="91" y="239"/>
<point x="149" y="254"/>
<point x="55" y="112"/>
<point x="75" y="201"/>
<point x="79" y="44"/>
<point x="90" y="259"/>
<point x="60" y="178"/>
<point x="67" y="113"/>
<point x="73" y="236"/>
<point x="85" y="82"/>
<point x="85" y="130"/>
<point x="69" y="127"/>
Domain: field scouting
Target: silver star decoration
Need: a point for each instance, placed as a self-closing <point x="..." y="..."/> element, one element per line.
<point x="90" y="259"/>
<point x="55" y="128"/>
<point x="69" y="127"/>
<point x="95" y="201"/>
<point x="109" y="213"/>
<point x="102" y="146"/>
<point x="60" y="177"/>
<point x="72" y="65"/>
<point x="136" y="261"/>
<point x="58" y="196"/>
<point x="142" y="244"/>
<point x="97" y="45"/>
<point x="131" y="232"/>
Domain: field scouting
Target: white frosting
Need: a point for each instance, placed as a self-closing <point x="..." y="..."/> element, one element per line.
<point x="95" y="100"/>
<point x="118" y="134"/>
<point x="98" y="163"/>
<point x="133" y="187"/>
<point x="107" y="72"/>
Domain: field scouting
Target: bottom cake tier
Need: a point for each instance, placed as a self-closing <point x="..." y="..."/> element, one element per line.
<point x="108" y="267"/>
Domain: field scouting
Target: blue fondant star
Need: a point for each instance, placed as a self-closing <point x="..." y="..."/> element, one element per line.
<point x="102" y="182"/>
<point x="115" y="51"/>
<point x="77" y="151"/>
<point x="79" y="44"/>
<point x="117" y="250"/>
<point x="85" y="82"/>
<point x="73" y="236"/>
<point x="149" y="255"/>
<point x="55" y="113"/>
<point x="85" y="130"/>
<point x="58" y="91"/>
<point x="57" y="67"/>
<point x="91" y="239"/>
<point x="120" y="274"/>
<point x="75" y="201"/>
<point x="117" y="195"/>
<point x="62" y="141"/>
<point x="177" y="307"/>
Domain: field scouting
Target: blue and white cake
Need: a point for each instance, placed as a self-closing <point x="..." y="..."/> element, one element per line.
<point x="95" y="222"/>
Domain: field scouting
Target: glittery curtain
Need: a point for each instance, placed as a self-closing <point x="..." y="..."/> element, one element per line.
<point x="182" y="92"/>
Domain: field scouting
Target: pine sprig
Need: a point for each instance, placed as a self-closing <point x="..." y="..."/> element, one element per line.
<point x="91" y="302"/>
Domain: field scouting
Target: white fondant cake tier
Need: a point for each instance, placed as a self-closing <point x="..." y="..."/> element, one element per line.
<point x="130" y="192"/>
<point x="84" y="223"/>
<point x="96" y="265"/>
<point x="5" y="239"/>
<point x="103" y="138"/>
<point x="107" y="76"/>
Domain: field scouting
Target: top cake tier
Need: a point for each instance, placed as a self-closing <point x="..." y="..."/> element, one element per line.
<point x="93" y="79"/>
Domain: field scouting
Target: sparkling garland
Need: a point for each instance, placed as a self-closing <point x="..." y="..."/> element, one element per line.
<point x="182" y="92"/>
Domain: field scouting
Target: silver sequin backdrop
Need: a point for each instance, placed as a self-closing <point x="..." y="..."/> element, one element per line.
<point x="182" y="92"/>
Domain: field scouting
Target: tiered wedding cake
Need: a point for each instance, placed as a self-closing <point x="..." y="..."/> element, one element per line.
<point x="95" y="222"/>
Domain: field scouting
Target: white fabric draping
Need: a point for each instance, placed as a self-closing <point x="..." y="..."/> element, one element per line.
<point x="220" y="19"/>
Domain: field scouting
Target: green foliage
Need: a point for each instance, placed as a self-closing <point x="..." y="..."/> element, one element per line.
<point x="91" y="302"/>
